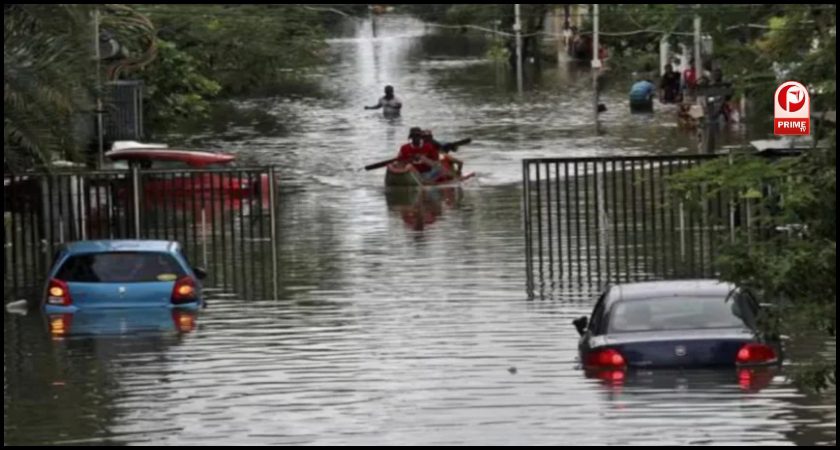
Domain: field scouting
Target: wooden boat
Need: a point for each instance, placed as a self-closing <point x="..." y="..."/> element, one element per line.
<point x="398" y="174"/>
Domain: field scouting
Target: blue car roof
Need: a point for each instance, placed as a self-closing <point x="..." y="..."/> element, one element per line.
<point x="121" y="246"/>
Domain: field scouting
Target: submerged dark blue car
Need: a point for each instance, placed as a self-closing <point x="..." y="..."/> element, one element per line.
<point x="673" y="324"/>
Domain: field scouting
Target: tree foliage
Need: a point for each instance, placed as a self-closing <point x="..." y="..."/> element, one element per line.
<point x="243" y="47"/>
<point x="47" y="81"/>
<point x="790" y="254"/>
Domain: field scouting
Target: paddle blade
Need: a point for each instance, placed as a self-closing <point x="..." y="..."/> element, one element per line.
<point x="453" y="146"/>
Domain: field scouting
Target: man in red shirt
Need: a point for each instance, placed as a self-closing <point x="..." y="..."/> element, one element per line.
<point x="689" y="80"/>
<point x="422" y="155"/>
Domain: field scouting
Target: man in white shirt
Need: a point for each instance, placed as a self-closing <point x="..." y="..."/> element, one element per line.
<point x="391" y="104"/>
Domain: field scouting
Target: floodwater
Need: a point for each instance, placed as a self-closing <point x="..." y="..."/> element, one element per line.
<point x="400" y="318"/>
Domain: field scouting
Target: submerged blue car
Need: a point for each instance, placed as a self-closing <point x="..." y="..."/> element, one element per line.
<point x="121" y="274"/>
<point x="675" y="324"/>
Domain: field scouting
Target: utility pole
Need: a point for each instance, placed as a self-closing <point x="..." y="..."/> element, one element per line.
<point x="710" y="96"/>
<point x="99" y="124"/>
<point x="596" y="63"/>
<point x="698" y="66"/>
<point x="517" y="28"/>
<point x="708" y="142"/>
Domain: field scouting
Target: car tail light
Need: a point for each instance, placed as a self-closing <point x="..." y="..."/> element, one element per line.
<point x="755" y="354"/>
<point x="605" y="358"/>
<point x="60" y="324"/>
<point x="58" y="293"/>
<point x="184" y="290"/>
<point x="184" y="320"/>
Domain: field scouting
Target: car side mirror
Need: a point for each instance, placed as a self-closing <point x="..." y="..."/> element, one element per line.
<point x="580" y="324"/>
<point x="200" y="273"/>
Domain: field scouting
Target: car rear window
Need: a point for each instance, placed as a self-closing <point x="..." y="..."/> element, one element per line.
<point x="120" y="267"/>
<point x="678" y="313"/>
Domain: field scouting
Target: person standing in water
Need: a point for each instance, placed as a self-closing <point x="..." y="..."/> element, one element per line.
<point x="641" y="95"/>
<point x="669" y="86"/>
<point x="390" y="104"/>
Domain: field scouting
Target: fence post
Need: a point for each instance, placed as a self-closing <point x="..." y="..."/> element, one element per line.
<point x="204" y="236"/>
<point x="731" y="208"/>
<point x="526" y="222"/>
<point x="82" y="192"/>
<point x="705" y="225"/>
<point x="603" y="231"/>
<point x="273" y="216"/>
<point x="682" y="232"/>
<point x="135" y="182"/>
<point x="749" y="220"/>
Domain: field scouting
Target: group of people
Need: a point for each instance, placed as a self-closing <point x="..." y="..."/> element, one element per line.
<point x="580" y="46"/>
<point x="672" y="89"/>
<point x="675" y="87"/>
<point x="427" y="157"/>
<point x="423" y="154"/>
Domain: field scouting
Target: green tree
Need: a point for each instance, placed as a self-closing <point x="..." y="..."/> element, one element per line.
<point x="789" y="251"/>
<point x="790" y="255"/>
<point x="175" y="89"/>
<point x="245" y="48"/>
<point x="48" y="80"/>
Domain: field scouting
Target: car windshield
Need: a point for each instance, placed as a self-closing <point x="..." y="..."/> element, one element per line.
<point x="678" y="313"/>
<point x="120" y="267"/>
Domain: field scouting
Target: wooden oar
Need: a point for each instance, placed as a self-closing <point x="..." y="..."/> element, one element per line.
<point x="380" y="164"/>
<point x="452" y="146"/>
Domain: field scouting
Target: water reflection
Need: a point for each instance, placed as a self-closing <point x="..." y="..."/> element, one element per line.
<point x="702" y="407"/>
<point x="420" y="208"/>
<point x="64" y="374"/>
<point x="617" y="382"/>
<point x="121" y="322"/>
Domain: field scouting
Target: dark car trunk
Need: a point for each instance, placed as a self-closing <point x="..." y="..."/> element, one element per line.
<point x="681" y="348"/>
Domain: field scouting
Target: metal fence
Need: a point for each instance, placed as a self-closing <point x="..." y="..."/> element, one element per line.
<point x="226" y="220"/>
<point x="605" y="220"/>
